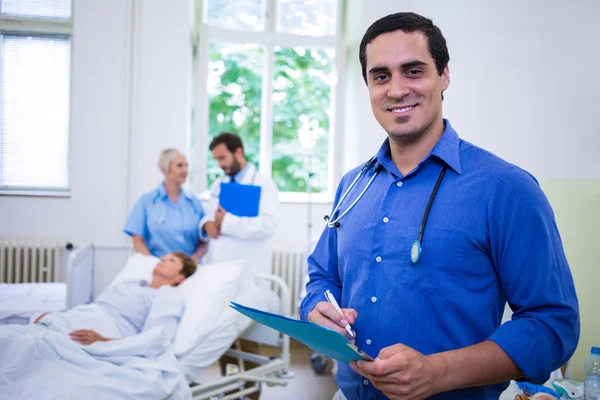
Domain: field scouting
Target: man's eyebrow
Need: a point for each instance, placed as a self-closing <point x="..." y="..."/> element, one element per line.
<point x="406" y="65"/>
<point x="376" y="70"/>
<point x="415" y="63"/>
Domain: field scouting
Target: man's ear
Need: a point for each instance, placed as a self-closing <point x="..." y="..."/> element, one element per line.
<point x="445" y="78"/>
<point x="180" y="278"/>
<point x="239" y="152"/>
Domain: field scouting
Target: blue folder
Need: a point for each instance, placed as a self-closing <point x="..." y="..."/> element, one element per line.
<point x="240" y="200"/>
<point x="320" y="339"/>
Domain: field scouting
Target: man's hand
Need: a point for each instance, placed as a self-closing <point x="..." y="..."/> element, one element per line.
<point x="326" y="315"/>
<point x="402" y="373"/>
<point x="219" y="215"/>
<point x="87" y="336"/>
<point x="211" y="229"/>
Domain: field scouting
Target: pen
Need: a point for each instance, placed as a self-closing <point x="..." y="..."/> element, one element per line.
<point x="335" y="304"/>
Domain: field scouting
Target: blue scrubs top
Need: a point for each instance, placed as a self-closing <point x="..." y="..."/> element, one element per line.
<point x="164" y="225"/>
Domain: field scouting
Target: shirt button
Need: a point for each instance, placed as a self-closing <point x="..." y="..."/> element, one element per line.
<point x="365" y="382"/>
<point x="378" y="259"/>
<point x="386" y="219"/>
<point x="373" y="299"/>
<point x="399" y="183"/>
<point x="368" y="341"/>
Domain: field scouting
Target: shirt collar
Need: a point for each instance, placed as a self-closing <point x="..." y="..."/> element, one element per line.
<point x="446" y="149"/>
<point x="162" y="192"/>
<point x="241" y="173"/>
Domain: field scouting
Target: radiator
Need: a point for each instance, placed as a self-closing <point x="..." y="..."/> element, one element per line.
<point x="291" y="266"/>
<point x="23" y="261"/>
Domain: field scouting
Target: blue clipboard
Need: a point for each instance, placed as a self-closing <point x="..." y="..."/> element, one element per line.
<point x="240" y="200"/>
<point x="320" y="339"/>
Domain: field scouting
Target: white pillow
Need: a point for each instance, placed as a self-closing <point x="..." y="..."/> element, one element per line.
<point x="207" y="294"/>
<point x="139" y="267"/>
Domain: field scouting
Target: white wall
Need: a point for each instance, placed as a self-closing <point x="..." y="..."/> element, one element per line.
<point x="130" y="98"/>
<point x="98" y="138"/>
<point x="523" y="80"/>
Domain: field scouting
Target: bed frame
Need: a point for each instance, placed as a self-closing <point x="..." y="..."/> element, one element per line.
<point x="271" y="371"/>
<point x="80" y="275"/>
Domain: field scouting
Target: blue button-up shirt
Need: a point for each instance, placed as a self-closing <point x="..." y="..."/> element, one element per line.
<point x="164" y="225"/>
<point x="491" y="237"/>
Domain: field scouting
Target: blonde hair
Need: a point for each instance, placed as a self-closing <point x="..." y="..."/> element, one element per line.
<point x="167" y="156"/>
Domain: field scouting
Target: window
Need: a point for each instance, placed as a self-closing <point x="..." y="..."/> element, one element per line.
<point x="35" y="54"/>
<point x="268" y="70"/>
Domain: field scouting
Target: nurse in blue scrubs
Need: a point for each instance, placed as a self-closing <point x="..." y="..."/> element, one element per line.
<point x="166" y="219"/>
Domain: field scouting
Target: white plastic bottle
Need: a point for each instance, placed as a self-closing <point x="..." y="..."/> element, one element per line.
<point x="591" y="386"/>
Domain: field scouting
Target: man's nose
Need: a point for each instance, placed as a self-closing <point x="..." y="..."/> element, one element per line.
<point x="398" y="87"/>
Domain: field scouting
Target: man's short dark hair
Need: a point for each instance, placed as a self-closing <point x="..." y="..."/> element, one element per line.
<point x="407" y="22"/>
<point x="189" y="265"/>
<point x="230" y="140"/>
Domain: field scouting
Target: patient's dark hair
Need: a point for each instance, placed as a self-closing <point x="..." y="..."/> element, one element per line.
<point x="230" y="140"/>
<point x="189" y="265"/>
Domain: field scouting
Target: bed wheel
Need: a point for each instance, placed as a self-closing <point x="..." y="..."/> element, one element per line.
<point x="320" y="363"/>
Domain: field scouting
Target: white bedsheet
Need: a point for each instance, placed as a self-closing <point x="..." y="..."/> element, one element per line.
<point x="42" y="363"/>
<point x="228" y="327"/>
<point x="19" y="301"/>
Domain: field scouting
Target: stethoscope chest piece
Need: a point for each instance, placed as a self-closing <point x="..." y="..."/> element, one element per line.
<point x="415" y="251"/>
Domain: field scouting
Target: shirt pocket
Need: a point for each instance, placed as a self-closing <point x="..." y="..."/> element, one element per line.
<point x="441" y="265"/>
<point x="457" y="263"/>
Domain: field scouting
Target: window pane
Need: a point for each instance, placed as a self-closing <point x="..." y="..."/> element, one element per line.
<point x="38" y="8"/>
<point x="234" y="90"/>
<point x="34" y="112"/>
<point x="236" y="14"/>
<point x="307" y="17"/>
<point x="302" y="88"/>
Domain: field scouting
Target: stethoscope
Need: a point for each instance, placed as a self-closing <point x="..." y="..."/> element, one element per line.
<point x="159" y="210"/>
<point x="415" y="249"/>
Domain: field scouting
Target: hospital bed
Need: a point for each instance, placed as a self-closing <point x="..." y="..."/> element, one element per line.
<point x="19" y="302"/>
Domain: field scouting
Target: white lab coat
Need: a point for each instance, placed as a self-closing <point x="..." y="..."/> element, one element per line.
<point x="247" y="238"/>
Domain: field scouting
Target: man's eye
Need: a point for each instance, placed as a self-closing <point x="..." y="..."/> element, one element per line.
<point x="414" y="72"/>
<point x="380" y="78"/>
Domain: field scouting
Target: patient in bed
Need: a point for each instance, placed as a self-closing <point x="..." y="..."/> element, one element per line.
<point x="132" y="306"/>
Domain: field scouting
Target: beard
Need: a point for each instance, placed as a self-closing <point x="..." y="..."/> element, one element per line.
<point x="234" y="168"/>
<point x="408" y="134"/>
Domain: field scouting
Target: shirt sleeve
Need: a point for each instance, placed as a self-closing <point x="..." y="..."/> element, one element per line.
<point x="527" y="252"/>
<point x="136" y="223"/>
<point x="323" y="271"/>
<point x="166" y="311"/>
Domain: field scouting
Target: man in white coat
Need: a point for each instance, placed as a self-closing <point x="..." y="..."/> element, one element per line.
<point x="234" y="237"/>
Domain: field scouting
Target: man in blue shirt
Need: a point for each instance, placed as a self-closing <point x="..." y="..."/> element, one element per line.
<point x="432" y="319"/>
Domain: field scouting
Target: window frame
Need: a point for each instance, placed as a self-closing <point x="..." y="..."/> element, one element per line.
<point x="42" y="27"/>
<point x="203" y="35"/>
